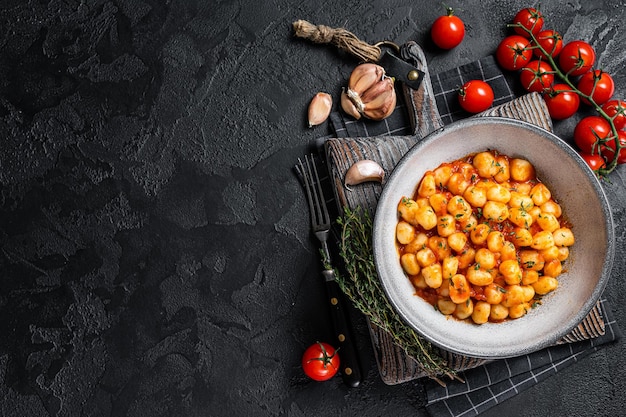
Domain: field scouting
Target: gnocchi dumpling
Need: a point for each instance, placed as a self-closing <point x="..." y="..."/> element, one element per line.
<point x="405" y="232"/>
<point x="482" y="238"/>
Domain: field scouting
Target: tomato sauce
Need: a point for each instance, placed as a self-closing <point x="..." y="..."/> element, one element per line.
<point x="465" y="167"/>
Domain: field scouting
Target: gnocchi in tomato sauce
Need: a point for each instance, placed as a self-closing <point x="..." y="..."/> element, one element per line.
<point x="483" y="239"/>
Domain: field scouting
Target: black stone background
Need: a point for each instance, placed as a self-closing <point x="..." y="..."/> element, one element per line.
<point x="155" y="257"/>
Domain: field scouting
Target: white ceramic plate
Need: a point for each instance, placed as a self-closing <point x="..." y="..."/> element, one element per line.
<point x="574" y="186"/>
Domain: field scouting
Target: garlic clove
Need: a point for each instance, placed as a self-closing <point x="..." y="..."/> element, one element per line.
<point x="319" y="108"/>
<point x="348" y="106"/>
<point x="364" y="75"/>
<point x="374" y="93"/>
<point x="362" y="171"/>
<point x="382" y="106"/>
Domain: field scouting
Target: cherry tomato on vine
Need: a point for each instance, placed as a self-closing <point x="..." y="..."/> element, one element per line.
<point x="537" y="76"/>
<point x="551" y="41"/>
<point x="603" y="90"/>
<point x="589" y="131"/>
<point x="610" y="148"/>
<point x="320" y="361"/>
<point x="531" y="19"/>
<point x="475" y="96"/>
<point x="577" y="57"/>
<point x="513" y="52"/>
<point x="594" y="161"/>
<point x="562" y="101"/>
<point x="447" y="31"/>
<point x="616" y="109"/>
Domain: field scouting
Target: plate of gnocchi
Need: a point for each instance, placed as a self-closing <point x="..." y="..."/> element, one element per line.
<point x="492" y="238"/>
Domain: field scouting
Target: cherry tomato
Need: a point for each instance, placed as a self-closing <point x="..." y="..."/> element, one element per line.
<point x="603" y="90"/>
<point x="513" y="52"/>
<point x="537" y="76"/>
<point x="595" y="161"/>
<point x="562" y="101"/>
<point x="531" y="19"/>
<point x="447" y="31"/>
<point x="609" y="150"/>
<point x="577" y="57"/>
<point x="551" y="41"/>
<point x="588" y="131"/>
<point x="617" y="110"/>
<point x="320" y="361"/>
<point x="475" y="96"/>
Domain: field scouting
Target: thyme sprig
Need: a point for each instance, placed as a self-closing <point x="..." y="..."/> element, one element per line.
<point x="612" y="164"/>
<point x="362" y="287"/>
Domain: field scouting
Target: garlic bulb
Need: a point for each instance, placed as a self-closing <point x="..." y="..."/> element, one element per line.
<point x="370" y="93"/>
<point x="363" y="171"/>
<point x="319" y="108"/>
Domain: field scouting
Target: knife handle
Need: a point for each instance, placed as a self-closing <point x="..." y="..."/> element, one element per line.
<point x="348" y="355"/>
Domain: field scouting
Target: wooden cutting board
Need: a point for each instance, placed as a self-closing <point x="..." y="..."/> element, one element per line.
<point x="394" y="365"/>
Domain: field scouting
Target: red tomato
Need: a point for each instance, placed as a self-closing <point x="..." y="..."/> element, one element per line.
<point x="562" y="101"/>
<point x="475" y="96"/>
<point x="320" y="361"/>
<point x="577" y="57"/>
<point x="588" y="131"/>
<point x="551" y="41"/>
<point x="513" y="52"/>
<point x="537" y="76"/>
<point x="531" y="19"/>
<point x="597" y="84"/>
<point x="609" y="149"/>
<point x="616" y="109"/>
<point x="447" y="31"/>
<point x="595" y="161"/>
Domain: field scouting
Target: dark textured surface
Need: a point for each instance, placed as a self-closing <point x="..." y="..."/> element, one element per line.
<point x="155" y="257"/>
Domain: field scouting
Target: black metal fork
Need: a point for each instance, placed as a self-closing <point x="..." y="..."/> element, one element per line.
<point x="321" y="225"/>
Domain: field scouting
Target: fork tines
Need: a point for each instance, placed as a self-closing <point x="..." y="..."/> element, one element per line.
<point x="315" y="196"/>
